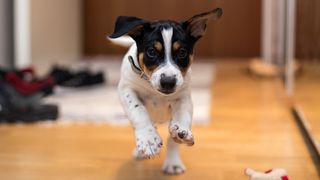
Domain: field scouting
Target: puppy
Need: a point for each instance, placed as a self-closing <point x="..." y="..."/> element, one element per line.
<point x="155" y="78"/>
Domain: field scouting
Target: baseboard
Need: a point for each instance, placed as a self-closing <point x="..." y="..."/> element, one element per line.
<point x="308" y="137"/>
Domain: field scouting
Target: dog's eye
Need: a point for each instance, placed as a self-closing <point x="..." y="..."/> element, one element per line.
<point x="151" y="52"/>
<point x="182" y="53"/>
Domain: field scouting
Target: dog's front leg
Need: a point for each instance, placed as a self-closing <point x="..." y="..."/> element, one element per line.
<point x="180" y="125"/>
<point x="148" y="141"/>
<point x="180" y="132"/>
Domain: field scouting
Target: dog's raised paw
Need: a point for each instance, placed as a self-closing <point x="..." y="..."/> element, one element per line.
<point x="148" y="143"/>
<point x="181" y="135"/>
<point x="173" y="168"/>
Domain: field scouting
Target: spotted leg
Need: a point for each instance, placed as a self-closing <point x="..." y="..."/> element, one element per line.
<point x="148" y="141"/>
<point x="180" y="125"/>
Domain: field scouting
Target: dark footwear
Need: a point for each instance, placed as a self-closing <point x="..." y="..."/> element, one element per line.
<point x="60" y="74"/>
<point x="25" y="88"/>
<point x="15" y="107"/>
<point x="27" y="74"/>
<point x="66" y="78"/>
<point x="17" y="101"/>
<point x="43" y="112"/>
<point x="84" y="79"/>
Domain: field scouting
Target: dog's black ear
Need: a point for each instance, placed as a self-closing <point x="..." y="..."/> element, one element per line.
<point x="196" y="26"/>
<point x="129" y="25"/>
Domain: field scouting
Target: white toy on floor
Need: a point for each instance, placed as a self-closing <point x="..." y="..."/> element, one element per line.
<point x="272" y="174"/>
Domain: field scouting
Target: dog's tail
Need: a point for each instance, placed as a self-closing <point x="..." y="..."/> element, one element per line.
<point x="125" y="41"/>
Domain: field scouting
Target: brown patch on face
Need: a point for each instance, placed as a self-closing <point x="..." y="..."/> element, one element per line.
<point x="185" y="70"/>
<point x="147" y="70"/>
<point x="190" y="59"/>
<point x="176" y="45"/>
<point x="140" y="60"/>
<point x="158" y="46"/>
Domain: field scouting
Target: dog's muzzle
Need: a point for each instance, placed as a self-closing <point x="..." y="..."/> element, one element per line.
<point x="167" y="84"/>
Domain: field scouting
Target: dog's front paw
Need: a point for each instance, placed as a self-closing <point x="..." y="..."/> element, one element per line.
<point x="181" y="135"/>
<point x="148" y="143"/>
<point x="173" y="167"/>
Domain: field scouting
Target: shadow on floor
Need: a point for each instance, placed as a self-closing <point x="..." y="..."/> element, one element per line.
<point x="147" y="169"/>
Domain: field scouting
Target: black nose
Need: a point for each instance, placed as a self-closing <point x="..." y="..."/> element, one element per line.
<point x="168" y="82"/>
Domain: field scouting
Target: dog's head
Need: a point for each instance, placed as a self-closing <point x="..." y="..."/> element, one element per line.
<point x="165" y="48"/>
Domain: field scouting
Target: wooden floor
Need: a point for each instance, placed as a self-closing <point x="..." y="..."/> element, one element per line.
<point x="251" y="127"/>
<point x="307" y="97"/>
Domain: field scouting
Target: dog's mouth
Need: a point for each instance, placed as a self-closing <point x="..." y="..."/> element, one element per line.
<point x="166" y="91"/>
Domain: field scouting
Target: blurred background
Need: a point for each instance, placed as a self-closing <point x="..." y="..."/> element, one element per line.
<point x="77" y="29"/>
<point x="256" y="73"/>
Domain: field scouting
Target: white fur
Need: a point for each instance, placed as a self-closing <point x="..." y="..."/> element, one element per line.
<point x="167" y="40"/>
<point x="145" y="105"/>
<point x="125" y="41"/>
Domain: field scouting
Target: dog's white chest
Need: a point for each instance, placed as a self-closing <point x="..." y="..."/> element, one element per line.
<point x="159" y="109"/>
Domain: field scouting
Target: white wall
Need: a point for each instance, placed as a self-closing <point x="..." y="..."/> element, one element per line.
<point x="6" y="35"/>
<point x="272" y="31"/>
<point x="55" y="32"/>
<point x="22" y="35"/>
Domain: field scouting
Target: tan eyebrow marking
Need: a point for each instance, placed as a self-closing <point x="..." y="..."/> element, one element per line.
<point x="158" y="46"/>
<point x="190" y="59"/>
<point x="185" y="70"/>
<point x="176" y="45"/>
<point x="147" y="70"/>
<point x="140" y="60"/>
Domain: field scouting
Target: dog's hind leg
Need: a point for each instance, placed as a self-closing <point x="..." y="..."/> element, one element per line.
<point x="173" y="164"/>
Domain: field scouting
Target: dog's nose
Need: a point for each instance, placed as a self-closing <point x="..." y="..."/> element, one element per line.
<point x="168" y="82"/>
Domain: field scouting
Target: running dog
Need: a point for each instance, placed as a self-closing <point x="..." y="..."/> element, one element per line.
<point x="155" y="82"/>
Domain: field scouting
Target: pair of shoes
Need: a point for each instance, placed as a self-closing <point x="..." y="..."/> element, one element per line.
<point x="31" y="86"/>
<point x="84" y="78"/>
<point x="15" y="107"/>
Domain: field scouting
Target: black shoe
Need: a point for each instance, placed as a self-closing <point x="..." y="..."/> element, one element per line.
<point x="84" y="79"/>
<point x="15" y="107"/>
<point x="60" y="74"/>
<point x="15" y="100"/>
<point x="40" y="113"/>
